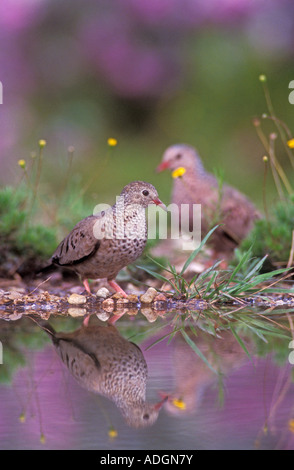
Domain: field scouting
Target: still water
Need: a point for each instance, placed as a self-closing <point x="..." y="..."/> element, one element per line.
<point x="195" y="382"/>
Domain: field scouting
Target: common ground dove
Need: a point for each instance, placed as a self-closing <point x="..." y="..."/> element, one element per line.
<point x="104" y="362"/>
<point x="100" y="245"/>
<point x="219" y="204"/>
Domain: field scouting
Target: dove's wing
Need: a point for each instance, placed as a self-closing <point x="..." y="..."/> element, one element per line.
<point x="80" y="244"/>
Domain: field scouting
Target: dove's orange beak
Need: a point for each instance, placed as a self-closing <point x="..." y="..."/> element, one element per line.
<point x="162" y="166"/>
<point x="158" y="405"/>
<point x="159" y="203"/>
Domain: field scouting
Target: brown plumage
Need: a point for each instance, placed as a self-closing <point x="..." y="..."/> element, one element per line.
<point x="225" y="206"/>
<point x="100" y="245"/>
<point x="104" y="362"/>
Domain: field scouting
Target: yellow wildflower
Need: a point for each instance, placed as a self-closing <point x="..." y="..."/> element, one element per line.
<point x="42" y="143"/>
<point x="179" y="403"/>
<point x="265" y="158"/>
<point x="290" y="143"/>
<point x="262" y="78"/>
<point x="22" y="418"/>
<point x="291" y="425"/>
<point x="112" y="433"/>
<point x="112" y="142"/>
<point x="178" y="172"/>
<point x="22" y="163"/>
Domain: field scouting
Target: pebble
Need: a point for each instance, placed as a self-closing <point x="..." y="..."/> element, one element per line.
<point x="103" y="292"/>
<point x="133" y="299"/>
<point x="77" y="312"/>
<point x="117" y="296"/>
<point x="160" y="298"/>
<point x="149" y="296"/>
<point x="14" y="295"/>
<point x="132" y="311"/>
<point x="103" y="316"/>
<point x="77" y="299"/>
<point x="108" y="305"/>
<point x="149" y="313"/>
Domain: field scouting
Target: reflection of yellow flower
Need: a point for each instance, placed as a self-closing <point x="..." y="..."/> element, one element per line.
<point x="112" y="142"/>
<point x="179" y="403"/>
<point x="42" y="142"/>
<point x="290" y="143"/>
<point x="112" y="433"/>
<point x="42" y="438"/>
<point x="179" y="172"/>
<point x="22" y="418"/>
<point x="291" y="425"/>
<point x="22" y="163"/>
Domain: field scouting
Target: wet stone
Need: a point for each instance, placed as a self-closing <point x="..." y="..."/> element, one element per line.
<point x="132" y="298"/>
<point x="149" y="296"/>
<point x="108" y="305"/>
<point x="77" y="299"/>
<point x="103" y="292"/>
<point x="77" y="312"/>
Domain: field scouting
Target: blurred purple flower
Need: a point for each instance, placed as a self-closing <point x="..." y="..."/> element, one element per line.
<point x="19" y="14"/>
<point x="130" y="66"/>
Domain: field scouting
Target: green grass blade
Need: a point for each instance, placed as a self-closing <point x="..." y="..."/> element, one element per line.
<point x="158" y="276"/>
<point x="197" y="351"/>
<point x="197" y="250"/>
<point x="240" y="341"/>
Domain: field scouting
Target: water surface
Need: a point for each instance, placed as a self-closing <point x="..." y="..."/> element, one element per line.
<point x="229" y="384"/>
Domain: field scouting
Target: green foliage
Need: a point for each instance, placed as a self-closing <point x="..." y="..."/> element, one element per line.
<point x="242" y="281"/>
<point x="21" y="238"/>
<point x="273" y="236"/>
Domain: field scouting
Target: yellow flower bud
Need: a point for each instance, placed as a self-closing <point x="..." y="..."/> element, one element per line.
<point x="179" y="172"/>
<point x="112" y="433"/>
<point x="291" y="425"/>
<point x="22" y="163"/>
<point x="262" y="78"/>
<point x="290" y="143"/>
<point x="22" y="418"/>
<point x="42" y="143"/>
<point x="112" y="142"/>
<point x="265" y="158"/>
<point x="179" y="403"/>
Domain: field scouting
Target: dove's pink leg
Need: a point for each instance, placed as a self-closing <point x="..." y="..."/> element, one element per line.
<point x="86" y="285"/>
<point x="117" y="288"/>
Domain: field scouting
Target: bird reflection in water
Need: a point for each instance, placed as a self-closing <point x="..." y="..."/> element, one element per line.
<point x="193" y="380"/>
<point x="104" y="362"/>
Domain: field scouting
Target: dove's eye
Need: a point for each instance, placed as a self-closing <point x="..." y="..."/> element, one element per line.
<point x="178" y="156"/>
<point x="145" y="192"/>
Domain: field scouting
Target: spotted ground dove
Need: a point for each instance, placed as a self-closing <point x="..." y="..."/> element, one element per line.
<point x="104" y="362"/>
<point x="225" y="205"/>
<point x="100" y="245"/>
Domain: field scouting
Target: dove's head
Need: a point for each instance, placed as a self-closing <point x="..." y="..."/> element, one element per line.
<point x="181" y="156"/>
<point x="144" y="414"/>
<point x="141" y="193"/>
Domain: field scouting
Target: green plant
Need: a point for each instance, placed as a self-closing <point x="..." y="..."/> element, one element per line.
<point x="214" y="285"/>
<point x="273" y="235"/>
